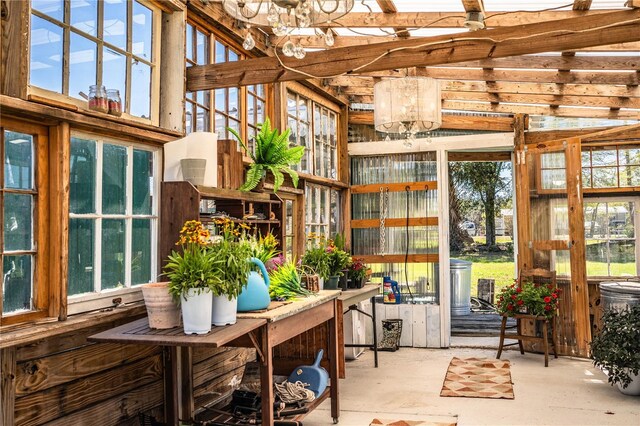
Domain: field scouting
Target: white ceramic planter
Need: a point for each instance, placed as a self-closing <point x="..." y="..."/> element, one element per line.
<point x="162" y="310"/>
<point x="224" y="311"/>
<point x="634" y="387"/>
<point x="196" y="311"/>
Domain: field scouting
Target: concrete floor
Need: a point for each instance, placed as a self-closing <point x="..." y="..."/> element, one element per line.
<point x="407" y="386"/>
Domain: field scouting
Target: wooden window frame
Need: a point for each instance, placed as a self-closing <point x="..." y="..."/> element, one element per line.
<point x="43" y="287"/>
<point x="154" y="101"/>
<point x="103" y="298"/>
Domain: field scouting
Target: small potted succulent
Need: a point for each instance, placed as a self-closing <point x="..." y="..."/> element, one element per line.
<point x="616" y="348"/>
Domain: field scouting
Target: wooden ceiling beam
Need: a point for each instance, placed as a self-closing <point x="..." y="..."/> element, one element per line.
<point x="454" y="122"/>
<point x="540" y="62"/>
<point x="473" y="5"/>
<point x="506" y="108"/>
<point x="354" y="85"/>
<point x="317" y="42"/>
<point x="493" y="19"/>
<point x="560" y="100"/>
<point x="574" y="33"/>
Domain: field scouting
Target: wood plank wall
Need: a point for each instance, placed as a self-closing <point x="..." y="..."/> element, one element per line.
<point x="67" y="381"/>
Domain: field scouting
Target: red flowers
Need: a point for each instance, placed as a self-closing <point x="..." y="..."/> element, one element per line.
<point x="547" y="299"/>
<point x="520" y="302"/>
<point x="530" y="297"/>
<point x="547" y="307"/>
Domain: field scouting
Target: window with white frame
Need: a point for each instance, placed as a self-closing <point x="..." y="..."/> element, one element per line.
<point x="76" y="44"/>
<point x="113" y="215"/>
<point x="322" y="209"/>
<point x="306" y="118"/>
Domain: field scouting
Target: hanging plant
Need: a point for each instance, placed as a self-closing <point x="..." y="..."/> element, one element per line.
<point x="272" y="153"/>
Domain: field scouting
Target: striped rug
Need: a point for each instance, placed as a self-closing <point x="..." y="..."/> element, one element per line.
<point x="478" y="378"/>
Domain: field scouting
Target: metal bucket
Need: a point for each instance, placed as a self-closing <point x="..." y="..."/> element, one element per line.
<point x="619" y="295"/>
<point x="460" y="274"/>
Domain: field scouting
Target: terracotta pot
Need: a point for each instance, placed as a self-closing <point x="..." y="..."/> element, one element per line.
<point x="162" y="310"/>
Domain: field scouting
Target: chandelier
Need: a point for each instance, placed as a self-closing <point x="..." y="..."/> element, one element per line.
<point x="284" y="16"/>
<point x="407" y="106"/>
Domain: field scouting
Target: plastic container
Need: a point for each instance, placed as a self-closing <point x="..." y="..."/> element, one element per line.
<point x="114" y="102"/>
<point x="98" y="99"/>
<point x="460" y="274"/>
<point x="619" y="295"/>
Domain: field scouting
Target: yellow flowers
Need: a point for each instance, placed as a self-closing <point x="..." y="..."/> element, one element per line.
<point x="193" y="233"/>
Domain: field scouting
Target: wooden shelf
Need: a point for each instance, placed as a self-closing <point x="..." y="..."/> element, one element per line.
<point x="232" y="194"/>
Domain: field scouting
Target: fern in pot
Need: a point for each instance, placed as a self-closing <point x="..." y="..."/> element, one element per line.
<point x="616" y="348"/>
<point x="273" y="154"/>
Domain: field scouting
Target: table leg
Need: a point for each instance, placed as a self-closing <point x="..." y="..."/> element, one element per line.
<point x="171" y="386"/>
<point x="333" y="366"/>
<point x="375" y="332"/>
<point x="266" y="378"/>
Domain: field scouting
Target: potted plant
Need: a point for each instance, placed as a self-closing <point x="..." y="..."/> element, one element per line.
<point x="233" y="252"/>
<point x="162" y="309"/>
<point x="339" y="260"/>
<point x="616" y="348"/>
<point x="316" y="258"/>
<point x="193" y="272"/>
<point x="528" y="298"/>
<point x="286" y="282"/>
<point x="358" y="273"/>
<point x="272" y="153"/>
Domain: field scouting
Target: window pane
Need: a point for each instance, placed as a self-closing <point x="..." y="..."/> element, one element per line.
<point x="335" y="213"/>
<point x="141" y="252"/>
<point x="221" y="126"/>
<point x="81" y="248"/>
<point x="603" y="157"/>
<point x="553" y="160"/>
<point x="17" y="283"/>
<point x="84" y="16"/>
<point x="630" y="176"/>
<point x="233" y="56"/>
<point x="189" y="42"/>
<point x="202" y="121"/>
<point x="114" y="178"/>
<point x="114" y="69"/>
<point x="586" y="159"/>
<point x="82" y="176"/>
<point x="18" y="216"/>
<point x="220" y="52"/>
<point x="18" y="160"/>
<point x="113" y="241"/>
<point x="202" y="48"/>
<point x="140" y="89"/>
<point x="620" y="216"/>
<point x="52" y="8"/>
<point x="622" y="258"/>
<point x="586" y="178"/>
<point x="629" y="155"/>
<point x="142" y="181"/>
<point x="203" y="98"/>
<point x="46" y="55"/>
<point x="234" y="102"/>
<point x="595" y="220"/>
<point x="553" y="179"/>
<point x="115" y="23"/>
<point x="302" y="109"/>
<point x="142" y="27"/>
<point x="604" y="177"/>
<point x="82" y="65"/>
<point x="188" y="117"/>
<point x="220" y="96"/>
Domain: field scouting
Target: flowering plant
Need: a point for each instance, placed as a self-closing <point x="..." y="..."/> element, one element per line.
<point x="338" y="259"/>
<point x="317" y="257"/>
<point x="529" y="297"/>
<point x="358" y="270"/>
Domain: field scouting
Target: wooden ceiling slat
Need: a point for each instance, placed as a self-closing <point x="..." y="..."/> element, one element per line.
<point x="539" y="62"/>
<point x="608" y="28"/>
<point x="387" y="6"/>
<point x="588" y="101"/>
<point x="454" y="122"/>
<point x="474" y="5"/>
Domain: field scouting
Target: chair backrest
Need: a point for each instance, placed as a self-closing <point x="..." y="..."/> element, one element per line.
<point x="539" y="276"/>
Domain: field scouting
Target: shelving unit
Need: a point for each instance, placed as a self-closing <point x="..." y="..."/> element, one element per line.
<point x="182" y="201"/>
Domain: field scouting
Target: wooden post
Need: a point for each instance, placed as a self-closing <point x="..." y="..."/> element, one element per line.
<point x="579" y="287"/>
<point x="14" y="58"/>
<point x="172" y="89"/>
<point x="7" y="385"/>
<point x="525" y="255"/>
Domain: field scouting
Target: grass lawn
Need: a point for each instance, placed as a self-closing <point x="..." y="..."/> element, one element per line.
<point x="500" y="239"/>
<point x="499" y="266"/>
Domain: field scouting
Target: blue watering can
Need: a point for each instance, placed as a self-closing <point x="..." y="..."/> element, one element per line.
<point x="255" y="296"/>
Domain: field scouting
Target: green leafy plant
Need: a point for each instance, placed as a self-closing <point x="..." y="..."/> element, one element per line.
<point x="195" y="266"/>
<point x="263" y="248"/>
<point x="528" y="297"/>
<point x="358" y="270"/>
<point x="286" y="282"/>
<point x="338" y="260"/>
<point x="316" y="258"/>
<point x="233" y="250"/>
<point x="616" y="348"/>
<point x="272" y="153"/>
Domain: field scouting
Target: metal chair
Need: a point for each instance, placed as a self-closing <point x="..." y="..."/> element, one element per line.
<point x="542" y="276"/>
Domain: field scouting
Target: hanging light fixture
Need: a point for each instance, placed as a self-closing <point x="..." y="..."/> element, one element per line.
<point x="284" y="16"/>
<point x="407" y="106"/>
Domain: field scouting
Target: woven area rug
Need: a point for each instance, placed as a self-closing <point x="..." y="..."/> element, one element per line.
<point x="478" y="378"/>
<point x="384" y="422"/>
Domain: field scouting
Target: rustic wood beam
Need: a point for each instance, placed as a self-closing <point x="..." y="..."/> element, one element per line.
<point x="317" y="42"/>
<point x="356" y="85"/>
<point x="556" y="62"/>
<point x="387" y="6"/>
<point x="452" y="19"/>
<point x="473" y="5"/>
<point x="455" y="122"/>
<point x="606" y="28"/>
<point x="508" y="108"/>
<point x="584" y="101"/>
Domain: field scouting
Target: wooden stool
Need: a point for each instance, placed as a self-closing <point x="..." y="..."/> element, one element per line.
<point x="520" y="337"/>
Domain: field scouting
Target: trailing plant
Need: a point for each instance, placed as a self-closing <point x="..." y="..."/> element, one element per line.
<point x="616" y="348"/>
<point x="195" y="266"/>
<point x="272" y="153"/>
<point x="529" y="297"/>
<point x="286" y="282"/>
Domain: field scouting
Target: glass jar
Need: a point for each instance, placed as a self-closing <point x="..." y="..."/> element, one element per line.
<point x="98" y="98"/>
<point x="115" y="103"/>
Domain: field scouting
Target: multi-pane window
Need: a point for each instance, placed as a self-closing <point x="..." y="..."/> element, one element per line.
<point x="290" y="229"/>
<point x="256" y="104"/>
<point x="113" y="215"/>
<point x="76" y="44"/>
<point x="19" y="200"/>
<point x="227" y="100"/>
<point x="197" y="104"/>
<point x="322" y="209"/>
<point x="610" y="237"/>
<point x="323" y="124"/>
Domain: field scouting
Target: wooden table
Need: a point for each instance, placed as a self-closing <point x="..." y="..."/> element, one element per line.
<point x="259" y="330"/>
<point x="349" y="300"/>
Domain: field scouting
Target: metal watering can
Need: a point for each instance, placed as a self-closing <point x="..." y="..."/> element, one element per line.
<point x="255" y="296"/>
